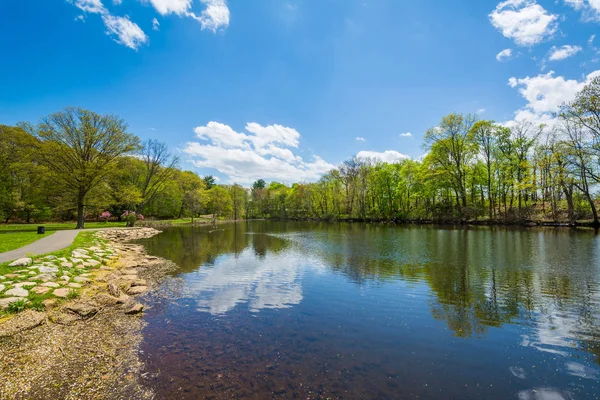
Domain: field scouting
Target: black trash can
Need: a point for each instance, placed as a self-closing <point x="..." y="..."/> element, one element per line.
<point x="41" y="230"/>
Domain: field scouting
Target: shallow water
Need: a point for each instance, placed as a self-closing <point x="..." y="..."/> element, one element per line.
<point x="263" y="310"/>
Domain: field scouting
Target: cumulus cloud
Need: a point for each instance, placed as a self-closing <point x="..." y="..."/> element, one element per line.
<point x="122" y="29"/>
<point x="126" y="32"/>
<point x="259" y="152"/>
<point x="504" y="55"/>
<point x="155" y="24"/>
<point x="214" y="16"/>
<point x="388" y="156"/>
<point x="361" y="139"/>
<point x="560" y="53"/>
<point x="590" y="9"/>
<point x="524" y="21"/>
<point x="544" y="94"/>
<point x="406" y="134"/>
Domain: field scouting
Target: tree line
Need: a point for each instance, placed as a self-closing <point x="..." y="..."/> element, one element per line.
<point x="79" y="164"/>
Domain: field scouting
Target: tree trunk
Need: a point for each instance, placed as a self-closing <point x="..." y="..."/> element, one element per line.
<point x="80" y="210"/>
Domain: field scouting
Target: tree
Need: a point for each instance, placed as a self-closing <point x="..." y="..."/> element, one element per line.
<point x="452" y="150"/>
<point x="159" y="167"/>
<point x="209" y="181"/>
<point x="219" y="202"/>
<point x="80" y="146"/>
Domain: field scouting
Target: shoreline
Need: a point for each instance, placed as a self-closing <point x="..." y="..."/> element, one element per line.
<point x="86" y="347"/>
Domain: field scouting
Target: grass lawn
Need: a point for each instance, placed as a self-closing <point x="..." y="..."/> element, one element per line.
<point x="14" y="240"/>
<point x="56" y="226"/>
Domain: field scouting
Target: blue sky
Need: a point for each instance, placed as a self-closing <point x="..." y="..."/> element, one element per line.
<point x="282" y="89"/>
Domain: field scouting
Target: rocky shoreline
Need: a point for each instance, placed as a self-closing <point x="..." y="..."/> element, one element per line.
<point x="85" y="346"/>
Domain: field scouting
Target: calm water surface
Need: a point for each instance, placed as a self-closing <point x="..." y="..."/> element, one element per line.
<point x="263" y="310"/>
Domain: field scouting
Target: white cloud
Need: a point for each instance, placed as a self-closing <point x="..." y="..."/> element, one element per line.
<point x="117" y="2"/>
<point x="388" y="156"/>
<point x="261" y="152"/>
<point x="544" y="94"/>
<point x="89" y="6"/>
<point x="79" y="18"/>
<point x="590" y="9"/>
<point x="481" y="111"/>
<point x="155" y="24"/>
<point x="406" y="134"/>
<point x="504" y="55"/>
<point x="524" y="21"/>
<point x="214" y="16"/>
<point x="127" y="33"/>
<point x="164" y="7"/>
<point x="361" y="139"/>
<point x="560" y="53"/>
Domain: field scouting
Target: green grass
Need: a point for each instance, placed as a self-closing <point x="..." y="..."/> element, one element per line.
<point x="56" y="226"/>
<point x="14" y="240"/>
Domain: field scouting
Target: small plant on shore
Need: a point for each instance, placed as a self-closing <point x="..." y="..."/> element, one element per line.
<point x="17" y="306"/>
<point x="73" y="294"/>
<point x="36" y="304"/>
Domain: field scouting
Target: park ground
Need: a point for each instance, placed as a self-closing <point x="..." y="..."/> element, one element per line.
<point x="14" y="236"/>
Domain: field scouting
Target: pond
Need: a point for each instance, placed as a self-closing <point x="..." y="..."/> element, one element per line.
<point x="264" y="309"/>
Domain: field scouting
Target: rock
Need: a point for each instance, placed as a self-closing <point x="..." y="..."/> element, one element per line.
<point x="129" y="277"/>
<point x="27" y="284"/>
<point x="86" y="275"/>
<point x="84" y="251"/>
<point x="44" y="277"/>
<point x="2" y="287"/>
<point x="76" y="260"/>
<point x="135" y="309"/>
<point x="74" y="285"/>
<point x="50" y="258"/>
<point x="22" y="322"/>
<point x="93" y="263"/>
<point x="139" y="282"/>
<point x="11" y="275"/>
<point x="65" y="278"/>
<point x="66" y="264"/>
<point x="150" y="258"/>
<point x="81" y="279"/>
<point x="6" y="301"/>
<point x="129" y="271"/>
<point x="63" y="259"/>
<point x="137" y="290"/>
<point x="21" y="262"/>
<point x="40" y="290"/>
<point x="2" y="278"/>
<point x="17" y="292"/>
<point x="79" y="255"/>
<point x="114" y="290"/>
<point x="49" y="304"/>
<point x="84" y="310"/>
<point x="61" y="292"/>
<point x="21" y="271"/>
<point x="48" y="270"/>
<point x="51" y="284"/>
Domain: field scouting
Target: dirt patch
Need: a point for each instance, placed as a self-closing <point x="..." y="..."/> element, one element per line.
<point x="86" y="348"/>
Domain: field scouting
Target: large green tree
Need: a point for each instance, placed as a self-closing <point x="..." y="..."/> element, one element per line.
<point x="80" y="147"/>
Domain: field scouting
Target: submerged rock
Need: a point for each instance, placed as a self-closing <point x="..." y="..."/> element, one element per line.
<point x="135" y="309"/>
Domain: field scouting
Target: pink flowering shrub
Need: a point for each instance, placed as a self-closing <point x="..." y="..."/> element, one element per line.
<point x="105" y="215"/>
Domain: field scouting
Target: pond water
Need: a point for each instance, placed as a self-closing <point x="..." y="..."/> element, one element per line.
<point x="261" y="310"/>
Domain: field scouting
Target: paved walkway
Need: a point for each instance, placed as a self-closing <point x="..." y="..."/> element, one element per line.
<point x="54" y="242"/>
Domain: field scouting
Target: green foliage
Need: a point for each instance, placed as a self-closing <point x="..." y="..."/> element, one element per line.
<point x="17" y="306"/>
<point x="73" y="294"/>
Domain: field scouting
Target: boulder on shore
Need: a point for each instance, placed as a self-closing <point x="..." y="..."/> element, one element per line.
<point x="21" y="262"/>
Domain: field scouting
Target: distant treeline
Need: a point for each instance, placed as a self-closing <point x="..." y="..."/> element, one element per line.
<point x="77" y="163"/>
